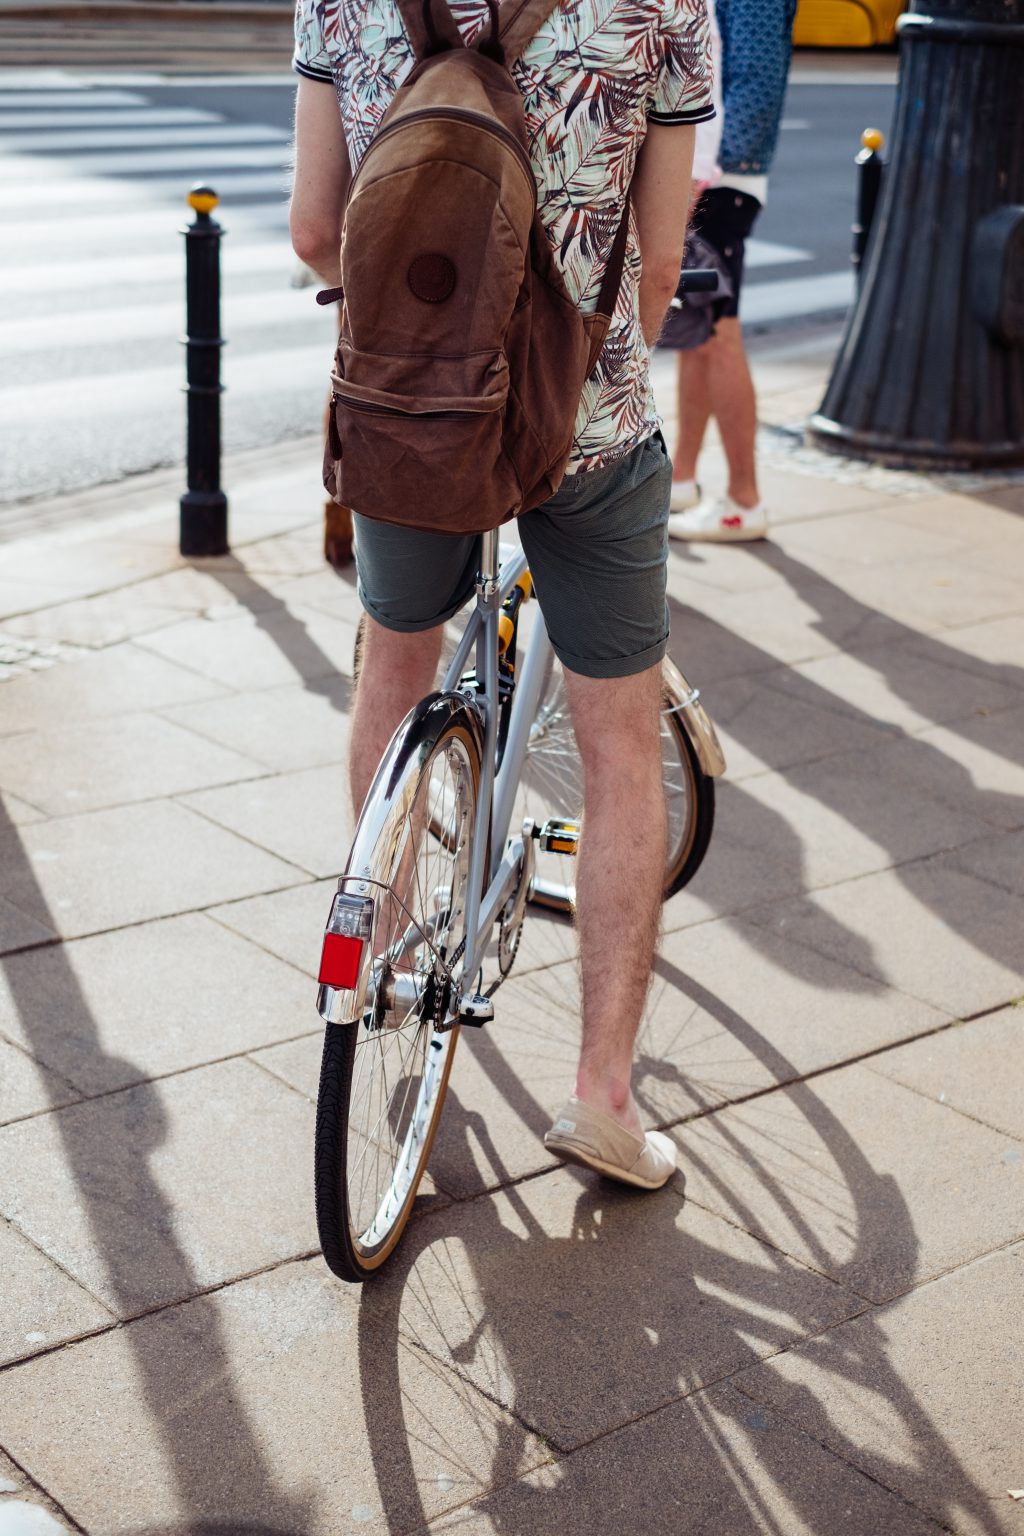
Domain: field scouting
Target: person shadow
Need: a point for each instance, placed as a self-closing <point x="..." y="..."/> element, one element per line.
<point x="922" y="809"/>
<point x="620" y="1334"/>
<point x="211" y="1449"/>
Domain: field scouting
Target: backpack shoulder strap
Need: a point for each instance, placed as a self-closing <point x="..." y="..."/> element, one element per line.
<point x="520" y="20"/>
<point x="430" y="25"/>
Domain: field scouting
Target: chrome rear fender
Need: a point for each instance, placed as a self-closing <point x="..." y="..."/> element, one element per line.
<point x="685" y="702"/>
<point x="382" y="823"/>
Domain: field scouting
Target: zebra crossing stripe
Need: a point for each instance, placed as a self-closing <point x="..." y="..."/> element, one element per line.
<point x="60" y="191"/>
<point x="128" y="117"/>
<point x="165" y="265"/>
<point x="211" y="135"/>
<point x="191" y="160"/>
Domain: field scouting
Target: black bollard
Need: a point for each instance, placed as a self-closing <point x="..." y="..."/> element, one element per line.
<point x="869" y="181"/>
<point x="930" y="373"/>
<point x="203" y="525"/>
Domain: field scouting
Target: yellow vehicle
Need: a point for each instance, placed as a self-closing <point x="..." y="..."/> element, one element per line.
<point x="845" y="23"/>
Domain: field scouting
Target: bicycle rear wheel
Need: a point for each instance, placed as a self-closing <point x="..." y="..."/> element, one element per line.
<point x="384" y="1078"/>
<point x="551" y="786"/>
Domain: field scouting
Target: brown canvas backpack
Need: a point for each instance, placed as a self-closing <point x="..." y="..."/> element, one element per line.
<point x="461" y="357"/>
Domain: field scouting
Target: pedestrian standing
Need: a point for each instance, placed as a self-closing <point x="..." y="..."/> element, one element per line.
<point x="714" y="378"/>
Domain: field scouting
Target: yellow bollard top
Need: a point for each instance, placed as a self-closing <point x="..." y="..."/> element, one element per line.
<point x="873" y="139"/>
<point x="203" y="199"/>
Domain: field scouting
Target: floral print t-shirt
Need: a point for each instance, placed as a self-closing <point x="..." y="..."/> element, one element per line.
<point x="595" y="74"/>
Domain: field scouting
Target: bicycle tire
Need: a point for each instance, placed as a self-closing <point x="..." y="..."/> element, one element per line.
<point x="361" y="1214"/>
<point x="551" y="786"/>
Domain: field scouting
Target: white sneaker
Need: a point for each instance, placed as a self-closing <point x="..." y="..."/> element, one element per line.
<point x="719" y="522"/>
<point x="685" y="494"/>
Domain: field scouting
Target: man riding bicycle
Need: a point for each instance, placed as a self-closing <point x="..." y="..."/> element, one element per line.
<point x="613" y="88"/>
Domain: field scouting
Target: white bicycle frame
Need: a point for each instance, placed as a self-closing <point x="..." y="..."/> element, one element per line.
<point x="491" y="884"/>
<point x="490" y="888"/>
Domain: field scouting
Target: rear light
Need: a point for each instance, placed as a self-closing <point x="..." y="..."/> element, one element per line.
<point x="348" y="930"/>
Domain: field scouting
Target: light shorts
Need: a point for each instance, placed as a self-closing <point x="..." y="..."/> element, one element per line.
<point x="597" y="550"/>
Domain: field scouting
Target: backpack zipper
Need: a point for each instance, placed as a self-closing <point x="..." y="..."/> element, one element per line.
<point x="465" y="115"/>
<point x="350" y="404"/>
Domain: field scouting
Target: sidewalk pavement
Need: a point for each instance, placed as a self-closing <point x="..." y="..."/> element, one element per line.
<point x="815" y="1329"/>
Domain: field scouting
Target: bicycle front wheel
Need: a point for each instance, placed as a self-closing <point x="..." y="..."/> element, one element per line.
<point x="551" y="786"/>
<point x="384" y="1078"/>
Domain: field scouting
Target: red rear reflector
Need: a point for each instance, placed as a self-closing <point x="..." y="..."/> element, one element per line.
<point x="339" y="962"/>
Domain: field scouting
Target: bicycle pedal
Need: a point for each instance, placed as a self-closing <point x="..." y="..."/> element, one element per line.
<point x="475" y="1010"/>
<point x="557" y="836"/>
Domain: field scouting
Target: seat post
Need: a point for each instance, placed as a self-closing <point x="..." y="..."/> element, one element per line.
<point x="487" y="580"/>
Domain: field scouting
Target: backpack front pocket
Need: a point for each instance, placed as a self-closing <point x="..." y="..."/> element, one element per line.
<point x="418" y="439"/>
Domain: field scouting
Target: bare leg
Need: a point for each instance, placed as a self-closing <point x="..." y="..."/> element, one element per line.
<point x="620" y="866"/>
<point x="734" y="406"/>
<point x="397" y="670"/>
<point x="693" y="397"/>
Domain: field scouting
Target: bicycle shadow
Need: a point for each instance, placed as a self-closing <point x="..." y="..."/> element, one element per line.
<point x="131" y="1226"/>
<point x="583" y="1308"/>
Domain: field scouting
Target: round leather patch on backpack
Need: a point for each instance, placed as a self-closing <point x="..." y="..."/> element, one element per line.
<point x="431" y="277"/>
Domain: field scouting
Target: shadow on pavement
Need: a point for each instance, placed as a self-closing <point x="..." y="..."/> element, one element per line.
<point x="929" y="785"/>
<point x="517" y="1311"/>
<point x="189" y="1398"/>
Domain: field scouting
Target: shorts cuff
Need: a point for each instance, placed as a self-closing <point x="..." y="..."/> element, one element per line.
<point x="613" y="666"/>
<point x="409" y="626"/>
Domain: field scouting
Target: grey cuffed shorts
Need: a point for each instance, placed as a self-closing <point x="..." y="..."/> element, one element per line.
<point x="598" y="552"/>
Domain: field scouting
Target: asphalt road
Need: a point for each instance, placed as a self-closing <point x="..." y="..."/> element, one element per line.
<point x="93" y="171"/>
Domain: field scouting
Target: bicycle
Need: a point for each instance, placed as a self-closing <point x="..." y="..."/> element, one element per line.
<point x="433" y="871"/>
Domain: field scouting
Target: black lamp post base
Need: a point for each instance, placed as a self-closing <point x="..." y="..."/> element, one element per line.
<point x="930" y="373"/>
<point x="204" y="523"/>
<point x="880" y="448"/>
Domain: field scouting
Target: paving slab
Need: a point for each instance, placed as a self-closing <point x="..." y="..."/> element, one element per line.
<point x="986" y="754"/>
<point x="1000" y="860"/>
<point x="15" y="812"/>
<point x="289" y="923"/>
<point x="864" y="1180"/>
<point x="98" y="683"/>
<point x="151" y="1194"/>
<point x="731" y="1011"/>
<point x="141" y="1002"/>
<point x="282" y="728"/>
<point x="25" y="1509"/>
<point x="814" y="825"/>
<point x="971" y="1067"/>
<point x="941" y="593"/>
<point x="868" y="539"/>
<point x="782" y="717"/>
<point x="18" y="930"/>
<point x="580" y="1305"/>
<point x="926" y="928"/>
<point x="988" y="647"/>
<point x="42" y="1305"/>
<point x="902" y="686"/>
<point x="56" y="572"/>
<point x="723" y="1464"/>
<point x="95" y="622"/>
<point x="26" y="1086"/>
<point x="262" y="650"/>
<point x="976" y="521"/>
<point x="83" y="874"/>
<point x="87" y="766"/>
<point x="787" y="1010"/>
<point x="924" y="1396"/>
<point x="278" y="1405"/>
<point x="303" y="817"/>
